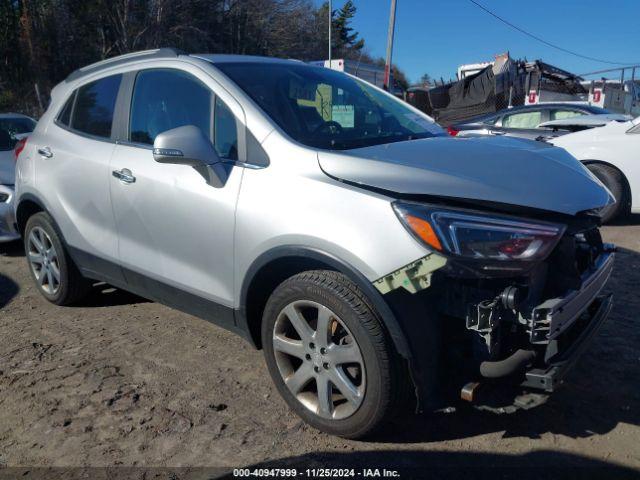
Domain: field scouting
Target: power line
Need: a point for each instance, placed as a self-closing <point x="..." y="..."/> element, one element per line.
<point x="535" y="37"/>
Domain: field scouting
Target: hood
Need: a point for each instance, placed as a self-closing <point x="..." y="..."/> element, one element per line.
<point x="489" y="169"/>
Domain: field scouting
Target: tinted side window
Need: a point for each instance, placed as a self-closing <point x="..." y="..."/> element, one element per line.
<point x="562" y="114"/>
<point x="522" y="120"/>
<point x="226" y="132"/>
<point x="166" y="99"/>
<point x="65" y="114"/>
<point x="95" y="103"/>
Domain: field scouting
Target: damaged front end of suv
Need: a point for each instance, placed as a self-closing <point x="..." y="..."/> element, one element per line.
<point x="510" y="293"/>
<point x="512" y="301"/>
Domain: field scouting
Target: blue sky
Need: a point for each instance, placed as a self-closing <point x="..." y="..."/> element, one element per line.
<point x="435" y="36"/>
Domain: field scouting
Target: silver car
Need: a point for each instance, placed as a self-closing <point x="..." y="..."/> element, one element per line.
<point x="377" y="261"/>
<point x="14" y="128"/>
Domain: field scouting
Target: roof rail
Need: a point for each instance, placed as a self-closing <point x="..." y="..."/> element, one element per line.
<point x="122" y="59"/>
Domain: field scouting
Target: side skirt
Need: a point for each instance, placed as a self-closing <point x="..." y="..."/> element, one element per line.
<point x="102" y="270"/>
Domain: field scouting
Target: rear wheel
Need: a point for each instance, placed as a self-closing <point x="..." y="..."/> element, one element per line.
<point x="612" y="179"/>
<point x="54" y="273"/>
<point x="328" y="354"/>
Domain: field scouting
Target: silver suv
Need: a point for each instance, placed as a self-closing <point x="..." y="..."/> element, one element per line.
<point x="377" y="261"/>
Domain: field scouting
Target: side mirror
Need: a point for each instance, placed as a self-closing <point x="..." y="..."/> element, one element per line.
<point x="188" y="145"/>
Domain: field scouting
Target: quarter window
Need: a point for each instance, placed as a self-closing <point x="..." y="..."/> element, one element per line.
<point x="167" y="99"/>
<point x="226" y="132"/>
<point x="94" y="106"/>
<point x="65" y="115"/>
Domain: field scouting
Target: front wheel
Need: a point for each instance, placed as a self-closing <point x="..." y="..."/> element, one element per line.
<point x="328" y="354"/>
<point x="612" y="179"/>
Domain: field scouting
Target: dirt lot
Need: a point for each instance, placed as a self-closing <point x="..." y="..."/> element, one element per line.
<point x="122" y="381"/>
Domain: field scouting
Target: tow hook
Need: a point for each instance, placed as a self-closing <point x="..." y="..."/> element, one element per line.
<point x="468" y="391"/>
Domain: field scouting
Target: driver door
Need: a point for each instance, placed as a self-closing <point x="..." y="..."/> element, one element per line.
<point x="175" y="231"/>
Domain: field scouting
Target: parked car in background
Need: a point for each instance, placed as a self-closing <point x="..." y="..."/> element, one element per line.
<point x="584" y="122"/>
<point x="14" y="127"/>
<point x="523" y="121"/>
<point x="612" y="153"/>
<point x="373" y="257"/>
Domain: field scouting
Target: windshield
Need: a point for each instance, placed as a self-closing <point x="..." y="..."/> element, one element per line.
<point x="10" y="130"/>
<point x="326" y="109"/>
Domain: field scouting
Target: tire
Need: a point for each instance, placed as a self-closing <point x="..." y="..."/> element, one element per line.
<point x="55" y="275"/>
<point x="613" y="180"/>
<point x="378" y="378"/>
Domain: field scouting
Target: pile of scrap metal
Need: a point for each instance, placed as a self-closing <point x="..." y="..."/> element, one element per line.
<point x="486" y="91"/>
<point x="502" y="84"/>
<point x="546" y="83"/>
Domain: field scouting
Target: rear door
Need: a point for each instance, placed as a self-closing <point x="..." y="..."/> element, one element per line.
<point x="72" y="173"/>
<point x="175" y="231"/>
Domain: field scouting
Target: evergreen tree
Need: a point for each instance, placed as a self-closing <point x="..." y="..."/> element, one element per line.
<point x="346" y="38"/>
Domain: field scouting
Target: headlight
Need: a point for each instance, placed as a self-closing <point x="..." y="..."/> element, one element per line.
<point x="499" y="242"/>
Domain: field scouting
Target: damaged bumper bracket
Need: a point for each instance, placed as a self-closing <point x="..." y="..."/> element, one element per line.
<point x="551" y="318"/>
<point x="413" y="277"/>
<point x="548" y="378"/>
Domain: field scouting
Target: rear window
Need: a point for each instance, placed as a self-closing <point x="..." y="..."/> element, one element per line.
<point x="12" y="129"/>
<point x="94" y="107"/>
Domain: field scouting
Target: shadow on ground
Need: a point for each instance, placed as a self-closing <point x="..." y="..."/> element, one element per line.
<point x="8" y="290"/>
<point x="103" y="295"/>
<point x="12" y="249"/>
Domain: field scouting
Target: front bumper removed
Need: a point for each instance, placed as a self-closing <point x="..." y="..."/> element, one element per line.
<point x="560" y="331"/>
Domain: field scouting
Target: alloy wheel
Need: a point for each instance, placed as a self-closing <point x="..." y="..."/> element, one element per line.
<point x="319" y="360"/>
<point x="43" y="260"/>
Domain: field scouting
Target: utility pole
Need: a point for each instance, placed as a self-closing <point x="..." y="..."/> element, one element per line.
<point x="387" y="65"/>
<point x="330" y="28"/>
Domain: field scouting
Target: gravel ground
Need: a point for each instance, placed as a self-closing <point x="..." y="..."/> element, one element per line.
<point x="123" y="381"/>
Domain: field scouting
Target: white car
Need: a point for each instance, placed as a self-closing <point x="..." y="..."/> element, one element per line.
<point x="13" y="128"/>
<point x="584" y="122"/>
<point x="612" y="153"/>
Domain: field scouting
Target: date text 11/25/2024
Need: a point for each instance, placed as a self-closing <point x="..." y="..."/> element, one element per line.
<point x="316" y="473"/>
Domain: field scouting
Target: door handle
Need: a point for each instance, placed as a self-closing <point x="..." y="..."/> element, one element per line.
<point x="497" y="132"/>
<point x="45" y="152"/>
<point x="124" y="175"/>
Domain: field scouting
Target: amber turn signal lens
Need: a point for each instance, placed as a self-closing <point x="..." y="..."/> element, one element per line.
<point x="423" y="229"/>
